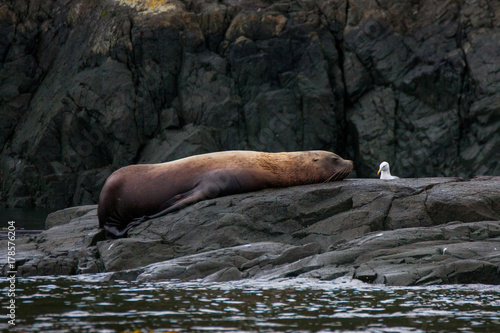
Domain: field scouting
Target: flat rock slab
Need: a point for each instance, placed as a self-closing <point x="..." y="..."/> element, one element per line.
<point x="402" y="232"/>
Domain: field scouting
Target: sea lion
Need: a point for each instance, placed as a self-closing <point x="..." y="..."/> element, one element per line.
<point x="136" y="193"/>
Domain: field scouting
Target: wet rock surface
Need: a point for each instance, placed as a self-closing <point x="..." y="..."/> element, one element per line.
<point x="400" y="232"/>
<point x="90" y="86"/>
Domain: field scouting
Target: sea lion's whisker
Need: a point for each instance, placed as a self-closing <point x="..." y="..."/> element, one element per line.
<point x="337" y="175"/>
<point x="330" y="178"/>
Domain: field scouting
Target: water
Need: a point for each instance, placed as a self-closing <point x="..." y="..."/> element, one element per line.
<point x="80" y="304"/>
<point x="25" y="219"/>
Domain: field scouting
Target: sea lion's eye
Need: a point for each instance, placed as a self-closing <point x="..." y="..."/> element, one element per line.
<point x="335" y="159"/>
<point x="315" y="159"/>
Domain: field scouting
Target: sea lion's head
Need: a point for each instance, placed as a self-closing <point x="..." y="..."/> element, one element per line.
<point x="332" y="166"/>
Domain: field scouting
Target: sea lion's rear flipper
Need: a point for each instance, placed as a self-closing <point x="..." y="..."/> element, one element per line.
<point x="113" y="227"/>
<point x="113" y="232"/>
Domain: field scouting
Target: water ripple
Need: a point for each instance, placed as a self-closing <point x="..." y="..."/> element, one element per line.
<point x="85" y="304"/>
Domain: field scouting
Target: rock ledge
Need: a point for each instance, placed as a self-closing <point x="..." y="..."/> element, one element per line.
<point x="403" y="232"/>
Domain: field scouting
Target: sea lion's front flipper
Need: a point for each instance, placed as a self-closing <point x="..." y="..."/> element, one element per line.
<point x="204" y="190"/>
<point x="178" y="202"/>
<point x="184" y="200"/>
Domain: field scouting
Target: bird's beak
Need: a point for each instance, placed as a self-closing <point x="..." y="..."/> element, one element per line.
<point x="378" y="172"/>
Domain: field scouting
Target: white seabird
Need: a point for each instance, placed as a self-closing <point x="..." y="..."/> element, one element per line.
<point x="384" y="171"/>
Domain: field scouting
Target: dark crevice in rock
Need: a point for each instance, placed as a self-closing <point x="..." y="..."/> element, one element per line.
<point x="131" y="63"/>
<point x="396" y="122"/>
<point x="385" y="216"/>
<point x="180" y="99"/>
<point x="300" y="271"/>
<point x="136" y="159"/>
<point x="347" y="7"/>
<point x="464" y="89"/>
<point x="347" y="103"/>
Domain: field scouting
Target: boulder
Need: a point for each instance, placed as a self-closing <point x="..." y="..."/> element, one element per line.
<point x="64" y="216"/>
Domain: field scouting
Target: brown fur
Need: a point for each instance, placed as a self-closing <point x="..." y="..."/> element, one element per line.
<point x="137" y="193"/>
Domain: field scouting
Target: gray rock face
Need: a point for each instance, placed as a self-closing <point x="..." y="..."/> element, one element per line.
<point x="398" y="232"/>
<point x="92" y="86"/>
<point x="65" y="215"/>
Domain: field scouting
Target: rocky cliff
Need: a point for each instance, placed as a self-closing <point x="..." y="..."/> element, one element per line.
<point x="403" y="232"/>
<point x="90" y="86"/>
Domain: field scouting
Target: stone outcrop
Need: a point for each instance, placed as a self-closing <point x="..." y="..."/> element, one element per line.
<point x="402" y="232"/>
<point x="89" y="86"/>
